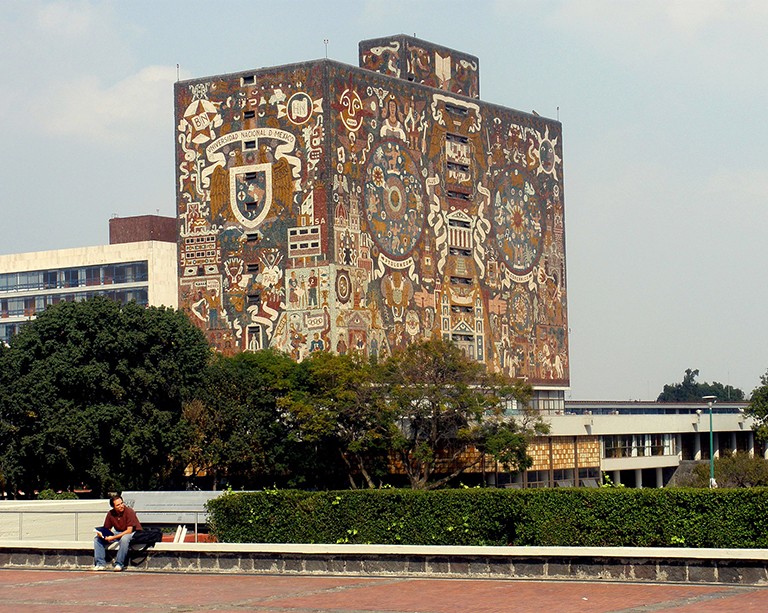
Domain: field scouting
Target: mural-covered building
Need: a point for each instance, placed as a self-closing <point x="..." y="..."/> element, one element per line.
<point x="329" y="207"/>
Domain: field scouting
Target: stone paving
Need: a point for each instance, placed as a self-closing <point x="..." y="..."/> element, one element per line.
<point x="79" y="591"/>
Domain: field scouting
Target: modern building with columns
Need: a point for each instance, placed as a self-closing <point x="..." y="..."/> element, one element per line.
<point x="638" y="444"/>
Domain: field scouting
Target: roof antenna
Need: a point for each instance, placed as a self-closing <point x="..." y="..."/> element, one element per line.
<point x="325" y="42"/>
<point x="177" y="73"/>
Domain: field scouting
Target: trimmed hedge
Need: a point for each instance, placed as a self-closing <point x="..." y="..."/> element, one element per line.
<point x="557" y="517"/>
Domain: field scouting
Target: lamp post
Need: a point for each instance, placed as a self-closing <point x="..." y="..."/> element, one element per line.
<point x="710" y="400"/>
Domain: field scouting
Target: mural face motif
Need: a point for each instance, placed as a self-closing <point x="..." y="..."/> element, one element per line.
<point x="351" y="107"/>
<point x="330" y="208"/>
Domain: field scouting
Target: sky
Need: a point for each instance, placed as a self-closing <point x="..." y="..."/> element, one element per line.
<point x="663" y="105"/>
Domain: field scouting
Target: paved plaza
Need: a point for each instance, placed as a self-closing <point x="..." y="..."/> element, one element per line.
<point x="75" y="591"/>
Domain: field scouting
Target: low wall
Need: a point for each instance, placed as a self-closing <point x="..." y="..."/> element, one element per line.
<point x="672" y="565"/>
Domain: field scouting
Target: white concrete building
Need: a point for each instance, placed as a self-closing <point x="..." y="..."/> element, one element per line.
<point x="643" y="443"/>
<point x="143" y="271"/>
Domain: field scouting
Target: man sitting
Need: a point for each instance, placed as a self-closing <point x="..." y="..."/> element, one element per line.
<point x="121" y="520"/>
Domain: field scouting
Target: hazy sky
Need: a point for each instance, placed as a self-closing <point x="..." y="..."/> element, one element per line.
<point x="663" y="104"/>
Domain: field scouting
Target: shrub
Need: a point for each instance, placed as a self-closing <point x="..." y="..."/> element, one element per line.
<point x="51" y="495"/>
<point x="555" y="517"/>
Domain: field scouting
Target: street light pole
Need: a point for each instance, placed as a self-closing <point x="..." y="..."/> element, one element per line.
<point x="710" y="400"/>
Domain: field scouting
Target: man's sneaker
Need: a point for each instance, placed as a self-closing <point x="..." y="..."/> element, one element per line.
<point x="99" y="567"/>
<point x="118" y="568"/>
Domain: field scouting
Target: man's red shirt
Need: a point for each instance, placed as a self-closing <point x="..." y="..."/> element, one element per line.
<point x="121" y="521"/>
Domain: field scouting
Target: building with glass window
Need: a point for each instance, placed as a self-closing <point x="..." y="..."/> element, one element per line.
<point x="143" y="271"/>
<point x="638" y="444"/>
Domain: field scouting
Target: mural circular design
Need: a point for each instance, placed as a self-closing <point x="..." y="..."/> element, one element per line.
<point x="522" y="313"/>
<point x="394" y="199"/>
<point x="299" y="108"/>
<point x="343" y="286"/>
<point x="518" y="223"/>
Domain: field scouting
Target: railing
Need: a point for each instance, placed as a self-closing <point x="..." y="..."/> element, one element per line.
<point x="56" y="532"/>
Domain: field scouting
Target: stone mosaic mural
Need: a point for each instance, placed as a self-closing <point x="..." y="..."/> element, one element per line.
<point x="329" y="207"/>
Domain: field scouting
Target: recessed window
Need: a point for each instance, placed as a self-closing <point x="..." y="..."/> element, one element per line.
<point x="456" y="110"/>
<point x="458" y="195"/>
<point x="456" y="138"/>
<point x="458" y="223"/>
<point x="251" y="176"/>
<point x="252" y="236"/>
<point x="249" y="114"/>
<point x="457" y="167"/>
<point x="467" y="338"/>
<point x="461" y="309"/>
<point x="252" y="268"/>
<point x="249" y="80"/>
<point x="458" y="251"/>
<point x="249" y="144"/>
<point x="461" y="280"/>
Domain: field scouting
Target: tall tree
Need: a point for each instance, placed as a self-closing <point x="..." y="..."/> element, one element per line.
<point x="443" y="401"/>
<point x="238" y="435"/>
<point x="93" y="394"/>
<point x="337" y="405"/>
<point x="758" y="408"/>
<point x="692" y="391"/>
<point x="7" y="430"/>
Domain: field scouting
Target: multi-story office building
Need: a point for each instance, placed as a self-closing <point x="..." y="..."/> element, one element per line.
<point x="638" y="444"/>
<point x="138" y="265"/>
<point x="329" y="207"/>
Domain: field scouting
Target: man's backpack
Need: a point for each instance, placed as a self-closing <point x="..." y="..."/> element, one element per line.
<point x="147" y="537"/>
<point x="141" y="542"/>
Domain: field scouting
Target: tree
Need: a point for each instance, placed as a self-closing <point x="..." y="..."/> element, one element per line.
<point x="336" y="404"/>
<point x="6" y="426"/>
<point x="758" y="408"/>
<point x="733" y="470"/>
<point x="238" y="434"/>
<point x="442" y="400"/>
<point x="93" y="394"/>
<point x="691" y="391"/>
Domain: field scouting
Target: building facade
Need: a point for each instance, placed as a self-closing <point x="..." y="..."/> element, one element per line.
<point x="329" y="207"/>
<point x="636" y="443"/>
<point x="143" y="271"/>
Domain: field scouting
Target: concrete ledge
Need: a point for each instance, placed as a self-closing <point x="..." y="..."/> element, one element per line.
<point x="664" y="565"/>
